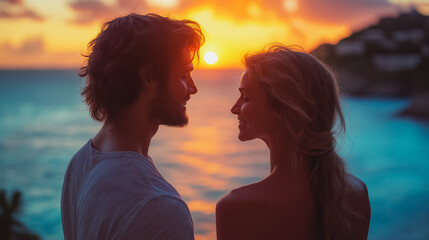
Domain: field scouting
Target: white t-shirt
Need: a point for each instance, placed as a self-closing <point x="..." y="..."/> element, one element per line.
<point x="120" y="195"/>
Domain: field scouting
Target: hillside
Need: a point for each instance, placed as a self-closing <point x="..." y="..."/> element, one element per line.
<point x="388" y="59"/>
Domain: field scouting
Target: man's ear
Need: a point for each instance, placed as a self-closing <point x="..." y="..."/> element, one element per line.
<point x="150" y="85"/>
<point x="145" y="77"/>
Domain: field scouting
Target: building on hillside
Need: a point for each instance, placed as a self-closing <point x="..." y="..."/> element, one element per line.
<point x="394" y="44"/>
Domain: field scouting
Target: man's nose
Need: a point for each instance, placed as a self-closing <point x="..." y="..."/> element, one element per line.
<point x="192" y="88"/>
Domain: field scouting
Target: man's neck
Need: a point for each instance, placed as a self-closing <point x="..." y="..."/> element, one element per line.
<point x="125" y="134"/>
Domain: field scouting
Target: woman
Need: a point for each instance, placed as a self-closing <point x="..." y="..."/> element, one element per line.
<point x="290" y="100"/>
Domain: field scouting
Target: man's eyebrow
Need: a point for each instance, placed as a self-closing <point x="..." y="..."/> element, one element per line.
<point x="188" y="67"/>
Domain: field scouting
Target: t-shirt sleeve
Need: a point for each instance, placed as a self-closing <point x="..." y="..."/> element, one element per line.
<point x="162" y="218"/>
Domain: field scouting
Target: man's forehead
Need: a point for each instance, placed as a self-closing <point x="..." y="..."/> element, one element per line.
<point x="184" y="60"/>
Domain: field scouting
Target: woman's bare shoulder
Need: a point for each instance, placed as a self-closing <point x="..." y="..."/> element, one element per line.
<point x="357" y="192"/>
<point x="238" y="195"/>
<point x="253" y="210"/>
<point x="358" y="199"/>
<point x="266" y="196"/>
<point x="355" y="184"/>
<point x="234" y="209"/>
<point x="245" y="200"/>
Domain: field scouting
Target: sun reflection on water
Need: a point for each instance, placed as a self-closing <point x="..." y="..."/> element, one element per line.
<point x="205" y="160"/>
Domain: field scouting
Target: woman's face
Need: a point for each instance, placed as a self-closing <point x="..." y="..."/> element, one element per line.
<point x="256" y="118"/>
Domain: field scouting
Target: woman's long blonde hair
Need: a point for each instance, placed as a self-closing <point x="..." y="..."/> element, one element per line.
<point x="305" y="92"/>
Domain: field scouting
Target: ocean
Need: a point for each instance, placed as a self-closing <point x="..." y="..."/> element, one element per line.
<point x="43" y="122"/>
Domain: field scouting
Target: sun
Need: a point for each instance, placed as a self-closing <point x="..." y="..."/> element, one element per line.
<point x="163" y="3"/>
<point x="210" y="58"/>
<point x="290" y="5"/>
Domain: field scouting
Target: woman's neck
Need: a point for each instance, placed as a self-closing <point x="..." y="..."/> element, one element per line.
<point x="285" y="161"/>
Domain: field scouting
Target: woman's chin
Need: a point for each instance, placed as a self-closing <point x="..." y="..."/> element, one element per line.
<point x="243" y="137"/>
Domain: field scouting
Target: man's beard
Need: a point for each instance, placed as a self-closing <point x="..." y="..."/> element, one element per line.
<point x="168" y="112"/>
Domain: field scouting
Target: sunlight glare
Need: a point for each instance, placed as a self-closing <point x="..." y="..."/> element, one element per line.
<point x="290" y="5"/>
<point x="163" y="3"/>
<point x="253" y="10"/>
<point x="210" y="58"/>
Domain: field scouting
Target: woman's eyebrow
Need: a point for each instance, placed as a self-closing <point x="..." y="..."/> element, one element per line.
<point x="244" y="91"/>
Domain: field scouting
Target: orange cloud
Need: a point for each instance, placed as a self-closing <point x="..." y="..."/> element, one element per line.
<point x="15" y="9"/>
<point x="26" y="13"/>
<point x="233" y="29"/>
<point x="327" y="12"/>
<point x="32" y="53"/>
<point x="260" y="12"/>
<point x="29" y="46"/>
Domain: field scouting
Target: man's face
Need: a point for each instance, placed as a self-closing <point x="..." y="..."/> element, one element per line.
<point x="171" y="102"/>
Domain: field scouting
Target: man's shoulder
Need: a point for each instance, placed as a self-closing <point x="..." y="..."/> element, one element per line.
<point x="126" y="163"/>
<point x="118" y="189"/>
<point x="163" y="217"/>
<point x="120" y="159"/>
<point x="127" y="172"/>
<point x="166" y="206"/>
<point x="82" y="153"/>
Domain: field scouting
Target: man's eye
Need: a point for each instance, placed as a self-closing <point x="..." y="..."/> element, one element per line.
<point x="186" y="75"/>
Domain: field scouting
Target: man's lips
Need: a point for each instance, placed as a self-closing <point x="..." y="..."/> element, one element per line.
<point x="241" y="122"/>
<point x="186" y="100"/>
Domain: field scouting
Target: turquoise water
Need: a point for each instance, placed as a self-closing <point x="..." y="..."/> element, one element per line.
<point x="43" y="123"/>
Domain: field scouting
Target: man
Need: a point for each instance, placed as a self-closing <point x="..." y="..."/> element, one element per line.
<point x="137" y="78"/>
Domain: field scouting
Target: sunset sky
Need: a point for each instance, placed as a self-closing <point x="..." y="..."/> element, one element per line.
<point x="53" y="33"/>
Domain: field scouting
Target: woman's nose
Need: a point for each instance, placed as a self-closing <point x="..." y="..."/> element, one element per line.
<point x="235" y="109"/>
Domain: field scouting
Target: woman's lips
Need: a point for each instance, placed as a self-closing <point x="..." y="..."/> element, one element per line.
<point x="241" y="123"/>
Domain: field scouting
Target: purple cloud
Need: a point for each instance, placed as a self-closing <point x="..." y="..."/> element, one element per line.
<point x="90" y="11"/>
<point x="347" y="12"/>
<point x="14" y="2"/>
<point x="351" y="12"/>
<point x="132" y="5"/>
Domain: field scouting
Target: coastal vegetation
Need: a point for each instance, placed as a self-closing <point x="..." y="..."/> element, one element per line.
<point x="10" y="226"/>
